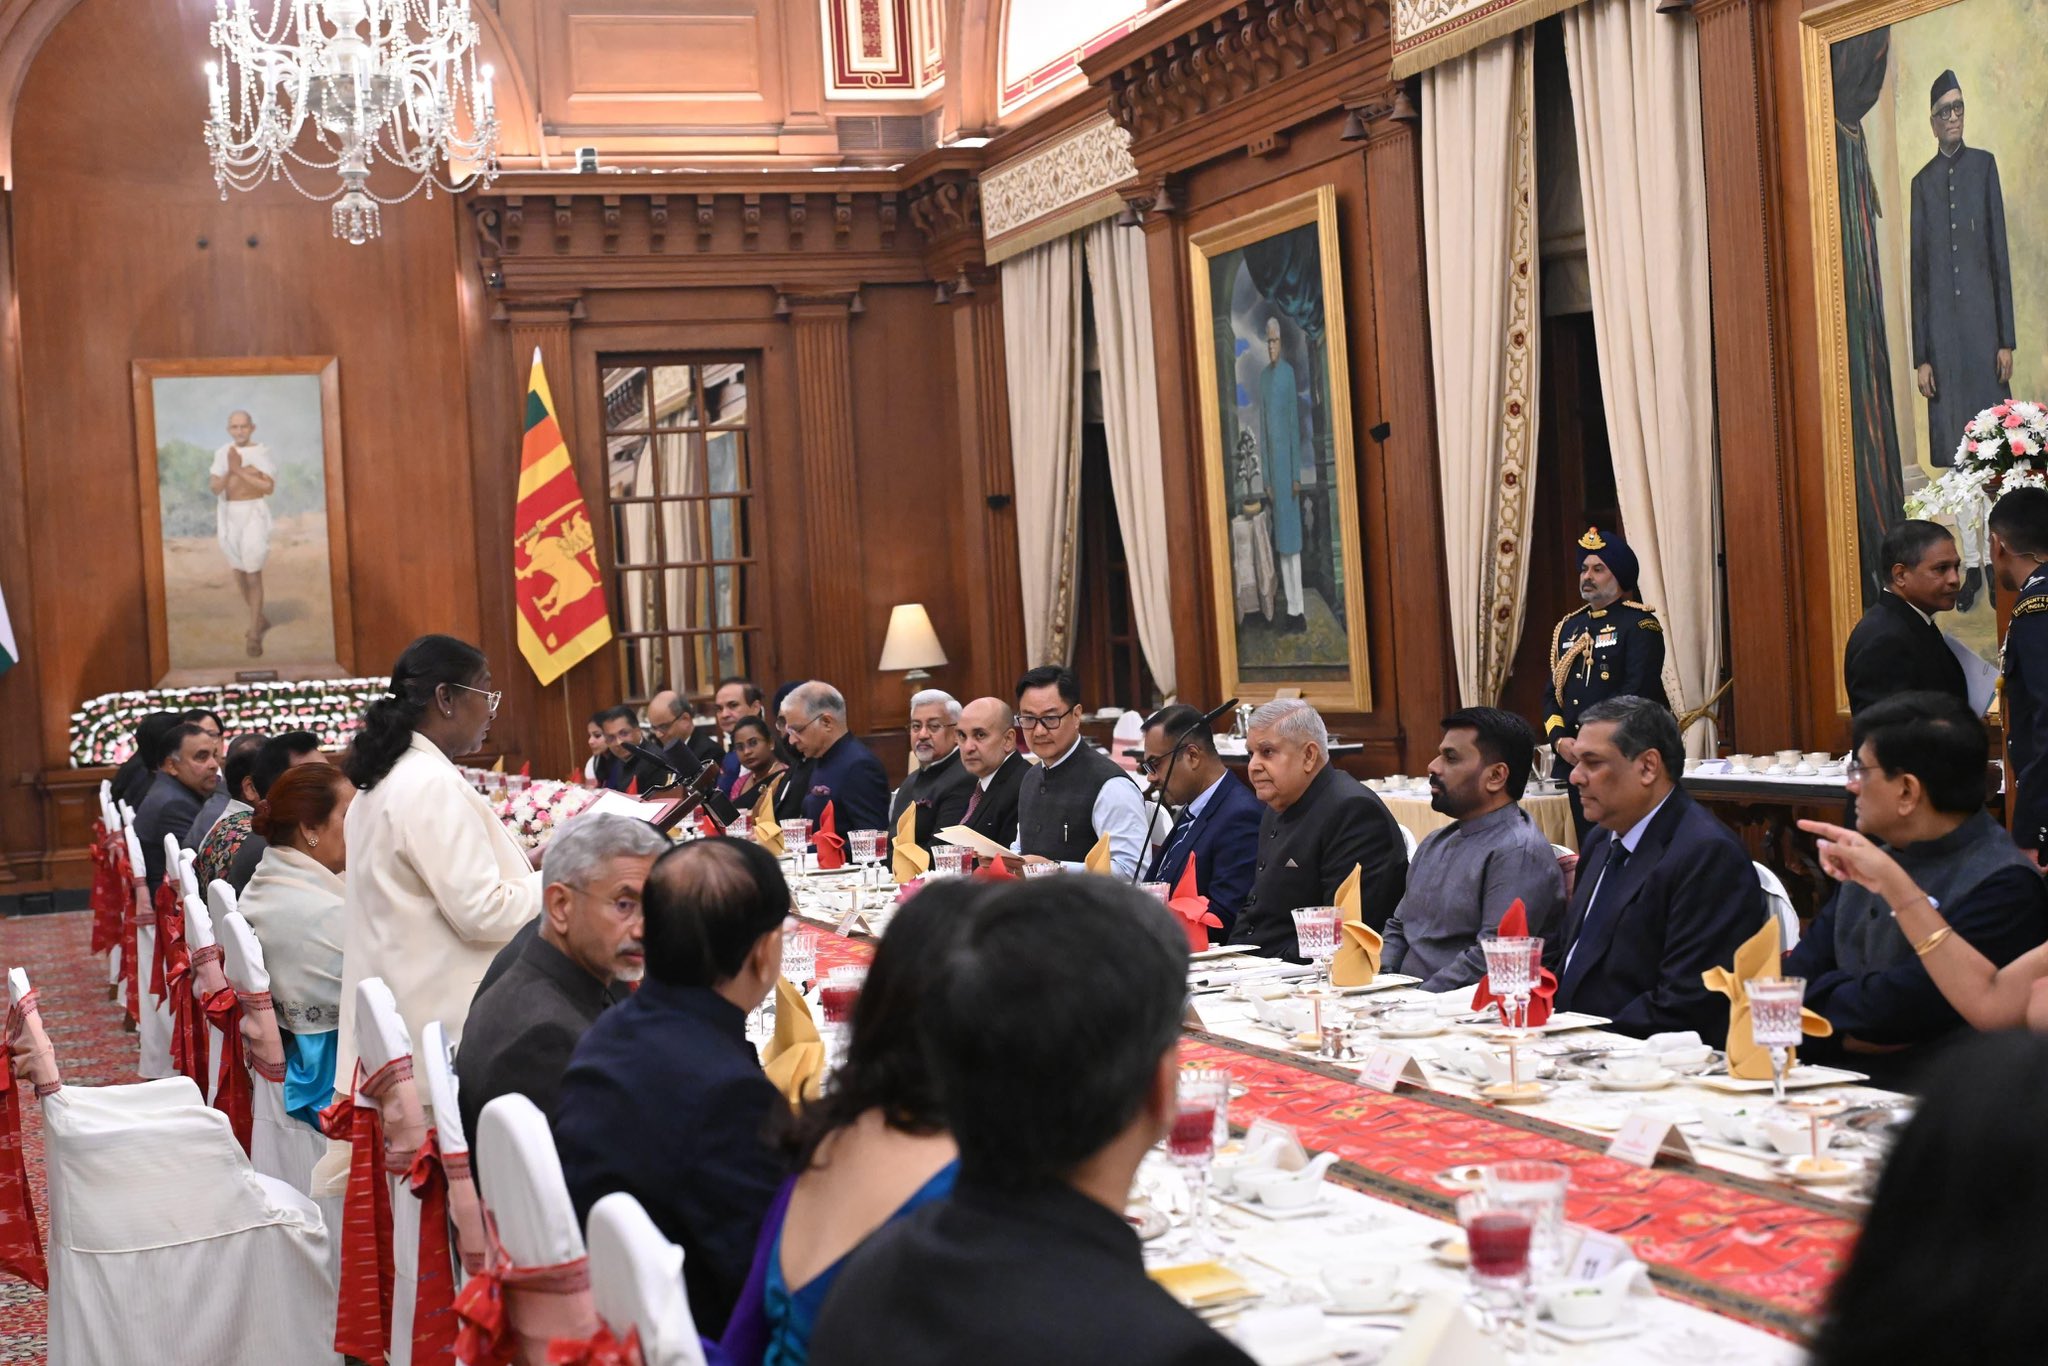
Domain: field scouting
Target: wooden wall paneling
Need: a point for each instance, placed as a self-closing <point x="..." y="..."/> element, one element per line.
<point x="1418" y="669"/>
<point x="1765" y="630"/>
<point x="22" y="836"/>
<point x="986" y="540"/>
<point x="831" y="520"/>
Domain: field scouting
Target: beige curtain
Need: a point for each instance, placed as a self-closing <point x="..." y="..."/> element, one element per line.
<point x="1122" y="295"/>
<point x="1042" y="340"/>
<point x="1636" y="100"/>
<point x="1479" y="221"/>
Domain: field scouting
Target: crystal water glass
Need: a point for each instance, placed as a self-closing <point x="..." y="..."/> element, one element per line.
<point x="865" y="847"/>
<point x="799" y="955"/>
<point x="1156" y="889"/>
<point x="796" y="837"/>
<point x="1537" y="1189"/>
<point x="741" y="826"/>
<point x="1512" y="962"/>
<point x="1774" y="1004"/>
<point x="1497" y="1238"/>
<point x="1315" y="935"/>
<point x="837" y="996"/>
<point x="951" y="860"/>
<point x="1201" y="1114"/>
<point x="1043" y="869"/>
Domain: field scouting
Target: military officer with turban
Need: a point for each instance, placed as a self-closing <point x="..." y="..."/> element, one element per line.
<point x="1613" y="646"/>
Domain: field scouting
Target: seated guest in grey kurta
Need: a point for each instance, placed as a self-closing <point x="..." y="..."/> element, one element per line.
<point x="1464" y="877"/>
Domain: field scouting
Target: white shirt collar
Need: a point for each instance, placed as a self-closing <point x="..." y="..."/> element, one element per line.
<point x="1195" y="806"/>
<point x="1916" y="611"/>
<point x="1635" y="832"/>
<point x="991" y="775"/>
<point x="1055" y="763"/>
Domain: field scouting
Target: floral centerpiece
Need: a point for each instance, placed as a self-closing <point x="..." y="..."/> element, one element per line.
<point x="2004" y="447"/>
<point x="531" y="810"/>
<point x="103" y="729"/>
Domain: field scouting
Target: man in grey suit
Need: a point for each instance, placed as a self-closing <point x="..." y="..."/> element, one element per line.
<point x="530" y="1011"/>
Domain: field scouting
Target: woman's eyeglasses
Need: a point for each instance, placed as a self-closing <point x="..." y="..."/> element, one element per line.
<point x="491" y="699"/>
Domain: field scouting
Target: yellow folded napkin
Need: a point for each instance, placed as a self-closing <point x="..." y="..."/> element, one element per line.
<point x="1098" y="858"/>
<point x="795" y="1058"/>
<point x="910" y="860"/>
<point x="1358" y="952"/>
<point x="768" y="830"/>
<point x="1758" y="957"/>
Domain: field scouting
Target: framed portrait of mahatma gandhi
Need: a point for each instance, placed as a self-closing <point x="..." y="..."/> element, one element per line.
<point x="244" y="524"/>
<point x="1931" y="264"/>
<point x="1279" y="484"/>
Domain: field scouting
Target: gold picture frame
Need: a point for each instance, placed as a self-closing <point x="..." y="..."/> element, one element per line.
<point x="192" y="592"/>
<point x="1327" y="660"/>
<point x="1874" y="134"/>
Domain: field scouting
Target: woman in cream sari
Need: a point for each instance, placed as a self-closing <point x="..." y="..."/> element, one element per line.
<point x="294" y="904"/>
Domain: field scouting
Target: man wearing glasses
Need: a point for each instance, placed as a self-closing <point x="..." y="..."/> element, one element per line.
<point x="843" y="771"/>
<point x="1077" y="794"/>
<point x="1963" y="334"/>
<point x="562" y="970"/>
<point x="941" y="787"/>
<point x="1219" y="817"/>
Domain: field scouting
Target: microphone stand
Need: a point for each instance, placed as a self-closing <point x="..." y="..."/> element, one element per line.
<point x="1180" y="739"/>
<point x="699" y="787"/>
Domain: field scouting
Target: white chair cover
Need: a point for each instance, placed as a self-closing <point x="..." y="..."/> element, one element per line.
<point x="1408" y="840"/>
<point x="279" y="1145"/>
<point x="1780" y="907"/>
<point x="207" y="974"/>
<point x="107" y="803"/>
<point x="535" y="1225"/>
<point x="384" y="1048"/>
<point x="436" y="1060"/>
<point x="636" y="1283"/>
<point x="152" y="1020"/>
<point x="188" y="877"/>
<point x="160" y="1232"/>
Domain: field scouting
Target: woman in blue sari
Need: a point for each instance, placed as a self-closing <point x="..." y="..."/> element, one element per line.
<point x="868" y="1152"/>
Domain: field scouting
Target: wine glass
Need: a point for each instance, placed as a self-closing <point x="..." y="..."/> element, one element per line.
<point x="1043" y="869"/>
<point x="796" y="837"/>
<point x="1201" y="1110"/>
<point x="1510" y="976"/>
<point x="1497" y="1238"/>
<point x="1156" y="889"/>
<point x="1774" y="1004"/>
<point x="951" y="860"/>
<point x="741" y="827"/>
<point x="837" y="996"/>
<point x="866" y="847"/>
<point x="1538" y="1189"/>
<point x="1315" y="937"/>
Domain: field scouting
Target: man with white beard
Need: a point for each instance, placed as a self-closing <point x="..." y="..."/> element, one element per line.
<point x="941" y="787"/>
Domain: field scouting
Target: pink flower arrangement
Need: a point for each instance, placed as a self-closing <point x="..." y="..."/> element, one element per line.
<point x="2001" y="448"/>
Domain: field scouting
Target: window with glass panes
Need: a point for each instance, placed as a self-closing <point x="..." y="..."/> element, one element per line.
<point x="679" y="485"/>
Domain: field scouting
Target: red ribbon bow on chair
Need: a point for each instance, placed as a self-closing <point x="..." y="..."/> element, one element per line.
<point x="362" y="1317"/>
<point x="487" y="1336"/>
<point x="826" y="840"/>
<point x="1191" y="908"/>
<point x="599" y="1349"/>
<point x="188" y="1032"/>
<point x="433" y="1315"/>
<point x="131" y="935"/>
<point x="1515" y="925"/>
<point x="165" y="904"/>
<point x="106" y="890"/>
<point x="232" y="1093"/>
<point x="21" y="1240"/>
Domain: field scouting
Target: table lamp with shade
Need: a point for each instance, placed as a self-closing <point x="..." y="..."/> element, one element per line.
<point x="911" y="645"/>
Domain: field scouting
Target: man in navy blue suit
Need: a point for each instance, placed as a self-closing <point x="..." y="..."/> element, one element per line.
<point x="843" y="771"/>
<point x="1665" y="891"/>
<point x="1219" y="816"/>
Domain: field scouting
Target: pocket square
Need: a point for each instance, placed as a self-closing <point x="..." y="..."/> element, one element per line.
<point x="1292" y="864"/>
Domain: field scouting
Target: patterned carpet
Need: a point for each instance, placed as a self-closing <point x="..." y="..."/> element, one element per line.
<point x="92" y="1050"/>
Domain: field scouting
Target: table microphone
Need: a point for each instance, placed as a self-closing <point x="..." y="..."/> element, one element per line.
<point x="1159" y="789"/>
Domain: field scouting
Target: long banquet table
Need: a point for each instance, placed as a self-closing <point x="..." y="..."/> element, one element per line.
<point x="1741" y="1258"/>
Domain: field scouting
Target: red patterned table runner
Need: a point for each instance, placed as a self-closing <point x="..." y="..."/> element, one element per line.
<point x="1753" y="1250"/>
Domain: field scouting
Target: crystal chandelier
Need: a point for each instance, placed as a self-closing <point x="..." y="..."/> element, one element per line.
<point x="376" y="80"/>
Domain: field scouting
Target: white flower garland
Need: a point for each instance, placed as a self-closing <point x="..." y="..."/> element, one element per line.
<point x="103" y="729"/>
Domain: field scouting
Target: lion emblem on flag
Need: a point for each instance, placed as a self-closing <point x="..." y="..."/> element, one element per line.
<point x="560" y="547"/>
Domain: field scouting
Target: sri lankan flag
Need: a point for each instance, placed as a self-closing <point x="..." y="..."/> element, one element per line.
<point x="556" y="583"/>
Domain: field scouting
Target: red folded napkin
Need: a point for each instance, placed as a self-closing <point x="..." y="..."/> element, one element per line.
<point x="526" y="769"/>
<point x="1192" y="909"/>
<point x="996" y="870"/>
<point x="827" y="842"/>
<point x="706" y="825"/>
<point x="1515" y="925"/>
<point x="632" y="787"/>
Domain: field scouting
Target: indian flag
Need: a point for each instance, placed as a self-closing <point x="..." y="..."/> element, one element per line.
<point x="9" y="651"/>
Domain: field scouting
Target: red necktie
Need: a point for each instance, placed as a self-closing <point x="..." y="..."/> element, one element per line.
<point x="973" y="802"/>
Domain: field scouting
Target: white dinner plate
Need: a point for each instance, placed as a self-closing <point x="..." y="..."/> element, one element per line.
<point x="1804" y="1075"/>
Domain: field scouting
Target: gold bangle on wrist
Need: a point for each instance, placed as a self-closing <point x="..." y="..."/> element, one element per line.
<point x="1933" y="941"/>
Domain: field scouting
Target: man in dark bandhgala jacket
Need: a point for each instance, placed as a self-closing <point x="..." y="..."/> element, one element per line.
<point x="664" y="1097"/>
<point x="941" y="787"/>
<point x="1320" y="824"/>
<point x="526" y="1019"/>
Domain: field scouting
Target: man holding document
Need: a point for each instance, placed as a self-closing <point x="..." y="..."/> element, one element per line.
<point x="1896" y="647"/>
